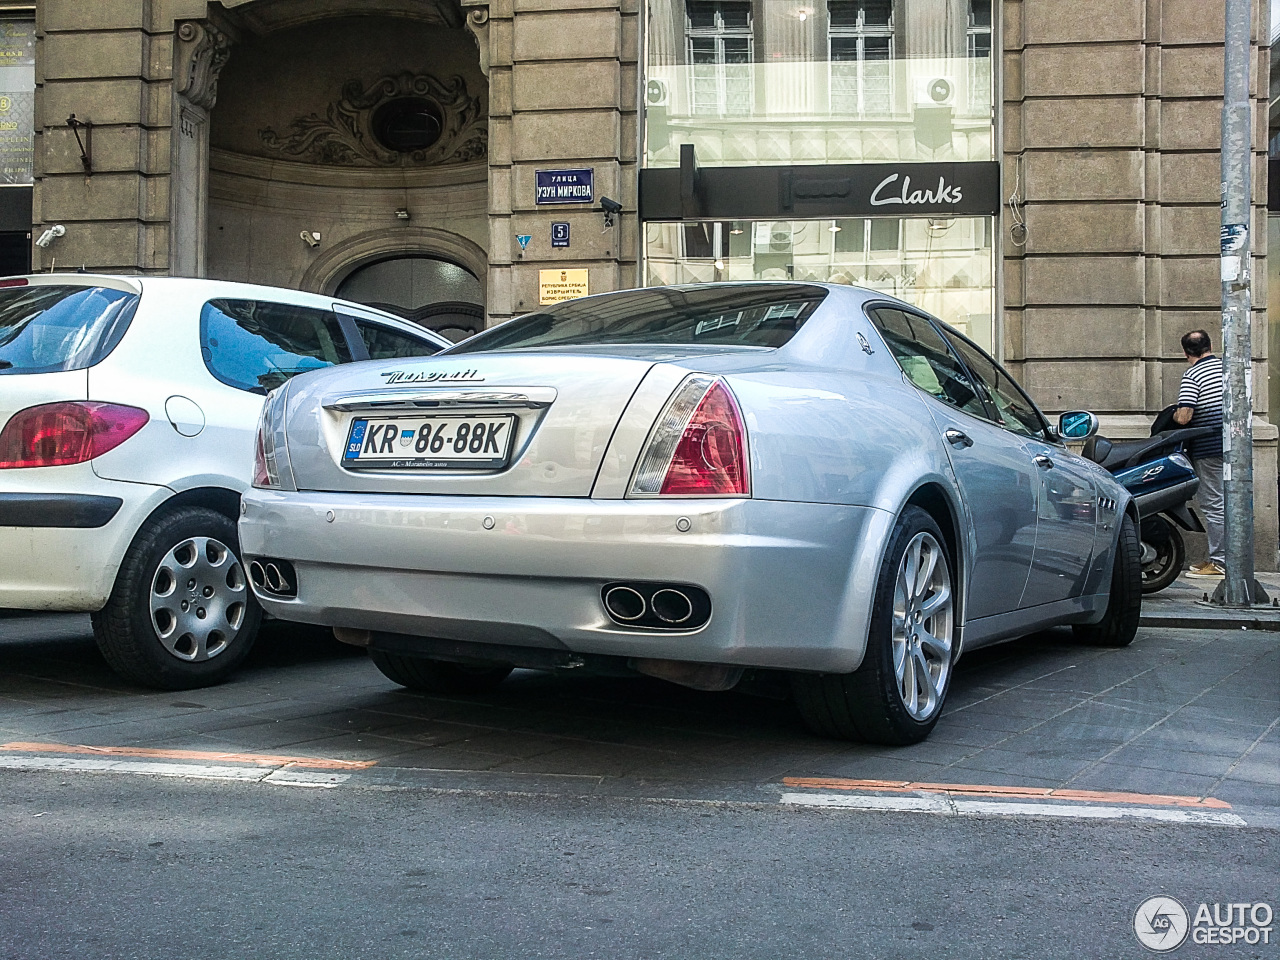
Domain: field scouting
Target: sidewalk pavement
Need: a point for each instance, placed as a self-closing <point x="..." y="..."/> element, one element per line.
<point x="1185" y="603"/>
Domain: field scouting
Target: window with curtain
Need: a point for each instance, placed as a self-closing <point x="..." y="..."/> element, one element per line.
<point x="860" y="40"/>
<point x="718" y="44"/>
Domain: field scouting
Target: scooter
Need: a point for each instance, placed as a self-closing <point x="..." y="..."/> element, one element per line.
<point x="1161" y="479"/>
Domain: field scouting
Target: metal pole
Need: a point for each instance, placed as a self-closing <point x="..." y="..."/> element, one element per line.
<point x="1237" y="349"/>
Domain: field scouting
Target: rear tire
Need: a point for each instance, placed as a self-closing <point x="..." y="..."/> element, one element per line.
<point x="1124" y="608"/>
<point x="895" y="697"/>
<point x="438" y="676"/>
<point x="1163" y="553"/>
<point x="181" y="614"/>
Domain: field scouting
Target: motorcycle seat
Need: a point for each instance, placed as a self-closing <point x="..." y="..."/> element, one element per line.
<point x="1117" y="455"/>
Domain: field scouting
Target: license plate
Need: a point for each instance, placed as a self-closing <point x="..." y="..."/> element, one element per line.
<point x="430" y="443"/>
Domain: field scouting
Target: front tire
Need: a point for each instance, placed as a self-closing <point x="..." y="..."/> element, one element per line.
<point x="1163" y="553"/>
<point x="181" y="614"/>
<point x="1124" y="608"/>
<point x="895" y="697"/>
<point x="438" y="676"/>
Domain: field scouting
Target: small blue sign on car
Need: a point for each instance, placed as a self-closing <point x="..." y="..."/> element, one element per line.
<point x="565" y="186"/>
<point x="559" y="234"/>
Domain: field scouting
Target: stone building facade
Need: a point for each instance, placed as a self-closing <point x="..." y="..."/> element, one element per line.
<point x="1064" y="160"/>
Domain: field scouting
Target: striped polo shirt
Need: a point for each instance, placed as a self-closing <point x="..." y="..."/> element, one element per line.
<point x="1202" y="391"/>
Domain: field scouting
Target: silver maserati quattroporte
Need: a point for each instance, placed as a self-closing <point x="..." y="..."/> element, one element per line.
<point x="702" y="484"/>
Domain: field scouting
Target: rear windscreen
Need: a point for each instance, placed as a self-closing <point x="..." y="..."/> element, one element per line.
<point x="746" y="316"/>
<point x="47" y="329"/>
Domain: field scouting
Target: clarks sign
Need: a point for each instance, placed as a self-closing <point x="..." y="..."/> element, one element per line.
<point x="821" y="191"/>
<point x="889" y="193"/>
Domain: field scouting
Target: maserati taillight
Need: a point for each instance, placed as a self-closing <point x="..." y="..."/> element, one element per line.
<point x="698" y="447"/>
<point x="56" y="434"/>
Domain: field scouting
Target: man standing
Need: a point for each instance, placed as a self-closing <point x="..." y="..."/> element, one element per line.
<point x="1200" y="405"/>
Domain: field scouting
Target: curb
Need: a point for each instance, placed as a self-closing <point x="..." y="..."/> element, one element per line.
<point x="1191" y="621"/>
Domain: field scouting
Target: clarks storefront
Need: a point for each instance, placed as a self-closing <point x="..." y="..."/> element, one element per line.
<point x="848" y="141"/>
<point x="1042" y="175"/>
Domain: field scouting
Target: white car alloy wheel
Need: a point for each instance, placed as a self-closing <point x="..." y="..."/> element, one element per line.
<point x="923" y="617"/>
<point x="198" y="599"/>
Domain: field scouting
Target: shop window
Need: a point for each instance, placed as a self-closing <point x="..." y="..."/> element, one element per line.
<point x="718" y="45"/>
<point x="884" y="235"/>
<point x="860" y="39"/>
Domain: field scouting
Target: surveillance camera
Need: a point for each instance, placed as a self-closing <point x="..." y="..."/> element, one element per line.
<point x="310" y="237"/>
<point x="46" y="238"/>
<point x="610" y="206"/>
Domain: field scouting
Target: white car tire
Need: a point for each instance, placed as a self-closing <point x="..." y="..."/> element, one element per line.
<point x="181" y="613"/>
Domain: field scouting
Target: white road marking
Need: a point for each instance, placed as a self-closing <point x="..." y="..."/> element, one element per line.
<point x="986" y="808"/>
<point x="159" y="768"/>
<point x="943" y="804"/>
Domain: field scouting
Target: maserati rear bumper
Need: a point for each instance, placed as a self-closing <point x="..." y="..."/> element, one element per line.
<point x="790" y="584"/>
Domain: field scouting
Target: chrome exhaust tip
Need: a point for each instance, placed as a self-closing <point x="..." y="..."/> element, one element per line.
<point x="672" y="606"/>
<point x="257" y="574"/>
<point x="625" y="604"/>
<point x="276" y="581"/>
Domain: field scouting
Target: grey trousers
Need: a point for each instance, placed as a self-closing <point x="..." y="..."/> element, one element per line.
<point x="1209" y="470"/>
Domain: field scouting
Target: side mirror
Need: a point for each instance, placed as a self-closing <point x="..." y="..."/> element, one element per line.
<point x="1077" y="425"/>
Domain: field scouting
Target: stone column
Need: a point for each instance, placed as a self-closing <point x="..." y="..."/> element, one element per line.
<point x="201" y="50"/>
<point x="562" y="94"/>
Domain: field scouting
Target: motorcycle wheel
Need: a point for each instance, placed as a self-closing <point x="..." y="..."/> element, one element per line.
<point x="1163" y="553"/>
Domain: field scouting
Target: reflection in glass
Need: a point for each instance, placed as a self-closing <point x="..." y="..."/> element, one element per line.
<point x="752" y="82"/>
<point x="943" y="266"/>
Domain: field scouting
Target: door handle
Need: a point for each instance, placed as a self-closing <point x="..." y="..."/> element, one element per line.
<point x="957" y="438"/>
<point x="1043" y="462"/>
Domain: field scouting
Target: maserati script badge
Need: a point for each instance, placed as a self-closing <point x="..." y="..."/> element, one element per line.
<point x="432" y="376"/>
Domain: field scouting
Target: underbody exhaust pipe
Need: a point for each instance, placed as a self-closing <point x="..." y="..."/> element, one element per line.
<point x="657" y="606"/>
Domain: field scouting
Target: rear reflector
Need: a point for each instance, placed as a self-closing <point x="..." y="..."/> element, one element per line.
<point x="56" y="434"/>
<point x="698" y="447"/>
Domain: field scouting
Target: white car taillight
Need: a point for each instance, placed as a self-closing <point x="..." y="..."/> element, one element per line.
<point x="55" y="434"/>
<point x="698" y="446"/>
<point x="271" y="469"/>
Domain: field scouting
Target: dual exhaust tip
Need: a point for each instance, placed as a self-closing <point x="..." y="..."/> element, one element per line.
<point x="274" y="577"/>
<point x="660" y="606"/>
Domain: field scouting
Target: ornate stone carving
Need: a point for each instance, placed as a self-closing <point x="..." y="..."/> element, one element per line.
<point x="477" y="23"/>
<point x="203" y="50"/>
<point x="344" y="135"/>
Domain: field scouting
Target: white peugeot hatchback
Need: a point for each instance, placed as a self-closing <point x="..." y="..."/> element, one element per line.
<point x="128" y="410"/>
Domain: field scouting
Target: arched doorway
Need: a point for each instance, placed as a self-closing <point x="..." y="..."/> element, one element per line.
<point x="344" y="138"/>
<point x="439" y="294"/>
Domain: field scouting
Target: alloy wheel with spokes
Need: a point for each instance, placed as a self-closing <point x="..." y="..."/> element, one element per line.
<point x="922" y="626"/>
<point x="198" y="598"/>
<point x="896" y="696"/>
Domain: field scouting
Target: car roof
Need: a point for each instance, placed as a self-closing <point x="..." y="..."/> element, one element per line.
<point x="231" y="288"/>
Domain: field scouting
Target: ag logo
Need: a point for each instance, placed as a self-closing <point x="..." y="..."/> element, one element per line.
<point x="1161" y="924"/>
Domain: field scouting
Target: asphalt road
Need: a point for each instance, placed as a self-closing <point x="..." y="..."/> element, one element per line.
<point x="107" y="866"/>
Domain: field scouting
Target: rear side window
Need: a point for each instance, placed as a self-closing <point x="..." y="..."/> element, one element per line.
<point x="767" y="315"/>
<point x="383" y="343"/>
<point x="47" y="329"/>
<point x="255" y="345"/>
<point x="925" y="359"/>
